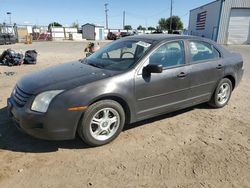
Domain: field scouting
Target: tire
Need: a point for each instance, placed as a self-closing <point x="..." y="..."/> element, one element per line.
<point x="102" y="122"/>
<point x="220" y="98"/>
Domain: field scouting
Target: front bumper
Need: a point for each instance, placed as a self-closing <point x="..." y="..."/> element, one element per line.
<point x="53" y="125"/>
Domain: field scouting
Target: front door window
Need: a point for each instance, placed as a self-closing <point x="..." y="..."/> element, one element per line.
<point x="169" y="55"/>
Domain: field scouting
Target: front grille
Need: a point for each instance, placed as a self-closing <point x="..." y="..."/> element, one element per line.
<point x="20" y="96"/>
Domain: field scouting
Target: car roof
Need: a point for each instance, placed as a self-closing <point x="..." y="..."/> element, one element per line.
<point x="163" y="37"/>
<point x="158" y="38"/>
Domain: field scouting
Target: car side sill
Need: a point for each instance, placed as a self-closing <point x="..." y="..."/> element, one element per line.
<point x="206" y="96"/>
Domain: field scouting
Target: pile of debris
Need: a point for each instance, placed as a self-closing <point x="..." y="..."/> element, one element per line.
<point x="11" y="58"/>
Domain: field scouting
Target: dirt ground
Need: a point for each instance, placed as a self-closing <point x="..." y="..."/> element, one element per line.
<point x="196" y="147"/>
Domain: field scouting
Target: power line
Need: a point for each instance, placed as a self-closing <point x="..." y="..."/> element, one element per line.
<point x="184" y="15"/>
<point x="137" y="16"/>
<point x="158" y="13"/>
<point x="143" y="17"/>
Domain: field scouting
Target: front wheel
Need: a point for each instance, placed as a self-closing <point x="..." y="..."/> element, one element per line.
<point x="222" y="94"/>
<point x="102" y="122"/>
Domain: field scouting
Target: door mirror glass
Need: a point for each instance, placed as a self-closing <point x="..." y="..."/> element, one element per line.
<point x="153" y="68"/>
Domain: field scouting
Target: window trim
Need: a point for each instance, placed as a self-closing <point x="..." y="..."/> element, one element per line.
<point x="190" y="62"/>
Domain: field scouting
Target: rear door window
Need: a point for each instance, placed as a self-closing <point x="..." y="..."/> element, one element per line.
<point x="202" y="51"/>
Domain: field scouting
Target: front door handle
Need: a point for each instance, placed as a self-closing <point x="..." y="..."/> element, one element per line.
<point x="219" y="67"/>
<point x="182" y="75"/>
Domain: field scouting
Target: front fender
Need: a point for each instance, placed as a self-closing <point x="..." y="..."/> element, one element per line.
<point x="120" y="86"/>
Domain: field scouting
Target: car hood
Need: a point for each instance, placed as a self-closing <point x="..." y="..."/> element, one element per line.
<point x="62" y="77"/>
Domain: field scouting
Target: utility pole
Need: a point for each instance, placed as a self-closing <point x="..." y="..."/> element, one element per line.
<point x="106" y="13"/>
<point x="171" y="14"/>
<point x="9" y="13"/>
<point x="123" y="19"/>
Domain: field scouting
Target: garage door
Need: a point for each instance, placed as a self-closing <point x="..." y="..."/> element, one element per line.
<point x="239" y="26"/>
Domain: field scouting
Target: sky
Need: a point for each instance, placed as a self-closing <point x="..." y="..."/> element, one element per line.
<point x="137" y="12"/>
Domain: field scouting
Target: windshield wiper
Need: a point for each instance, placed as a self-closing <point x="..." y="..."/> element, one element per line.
<point x="95" y="65"/>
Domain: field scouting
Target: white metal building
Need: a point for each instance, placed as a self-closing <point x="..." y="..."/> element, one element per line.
<point x="93" y="32"/>
<point x="62" y="33"/>
<point x="225" y="21"/>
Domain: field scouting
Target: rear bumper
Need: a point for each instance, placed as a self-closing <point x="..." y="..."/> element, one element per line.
<point x="48" y="126"/>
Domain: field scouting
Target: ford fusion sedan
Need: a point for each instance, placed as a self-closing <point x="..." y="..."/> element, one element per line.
<point x="126" y="81"/>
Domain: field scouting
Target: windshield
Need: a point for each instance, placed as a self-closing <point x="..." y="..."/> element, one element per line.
<point x="119" y="55"/>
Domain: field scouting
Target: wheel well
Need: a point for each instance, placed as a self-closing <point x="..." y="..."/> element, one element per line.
<point x="232" y="79"/>
<point x="122" y="102"/>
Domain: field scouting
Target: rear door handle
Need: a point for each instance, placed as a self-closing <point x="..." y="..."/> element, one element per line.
<point x="219" y="67"/>
<point x="182" y="75"/>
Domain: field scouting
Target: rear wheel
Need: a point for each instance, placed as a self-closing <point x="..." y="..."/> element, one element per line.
<point x="222" y="94"/>
<point x="102" y="122"/>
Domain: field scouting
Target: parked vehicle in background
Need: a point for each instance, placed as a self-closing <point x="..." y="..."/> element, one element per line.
<point x="126" y="81"/>
<point x="176" y="32"/>
<point x="157" y="32"/>
<point x="7" y="38"/>
<point x="126" y="34"/>
<point x="113" y="35"/>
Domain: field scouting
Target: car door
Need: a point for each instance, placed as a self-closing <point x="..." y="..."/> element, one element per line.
<point x="157" y="93"/>
<point x="206" y="69"/>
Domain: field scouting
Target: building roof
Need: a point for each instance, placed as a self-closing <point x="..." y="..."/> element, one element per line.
<point x="205" y="5"/>
<point x="93" y="25"/>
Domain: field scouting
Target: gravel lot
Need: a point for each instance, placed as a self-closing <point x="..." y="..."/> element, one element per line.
<point x="195" y="147"/>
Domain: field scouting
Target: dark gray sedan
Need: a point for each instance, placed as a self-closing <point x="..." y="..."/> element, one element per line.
<point x="128" y="80"/>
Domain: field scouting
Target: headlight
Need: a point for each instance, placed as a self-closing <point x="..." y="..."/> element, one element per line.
<point x="42" y="101"/>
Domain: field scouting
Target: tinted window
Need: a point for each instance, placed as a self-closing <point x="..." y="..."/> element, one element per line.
<point x="169" y="55"/>
<point x="201" y="51"/>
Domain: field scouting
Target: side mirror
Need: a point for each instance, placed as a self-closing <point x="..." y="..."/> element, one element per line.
<point x="153" y="68"/>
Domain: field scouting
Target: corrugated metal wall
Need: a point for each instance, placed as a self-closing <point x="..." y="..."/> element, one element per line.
<point x="239" y="26"/>
<point x="88" y="31"/>
<point x="211" y="21"/>
<point x="225" y="16"/>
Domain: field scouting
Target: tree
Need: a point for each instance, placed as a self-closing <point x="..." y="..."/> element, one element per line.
<point x="151" y="28"/>
<point x="54" y="24"/>
<point x="139" y="27"/>
<point x="74" y="24"/>
<point x="163" y="24"/>
<point x="176" y="23"/>
<point x="127" y="27"/>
